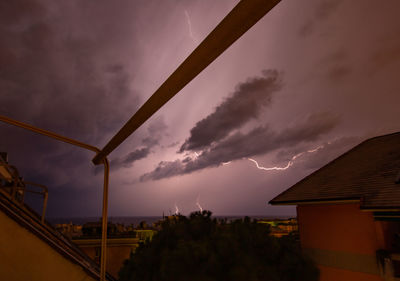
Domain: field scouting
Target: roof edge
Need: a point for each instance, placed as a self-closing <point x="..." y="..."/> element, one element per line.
<point x="273" y="202"/>
<point x="317" y="201"/>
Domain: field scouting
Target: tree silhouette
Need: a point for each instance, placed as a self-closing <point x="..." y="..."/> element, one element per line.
<point x="202" y="248"/>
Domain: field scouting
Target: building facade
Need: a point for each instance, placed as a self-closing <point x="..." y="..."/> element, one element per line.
<point x="349" y="213"/>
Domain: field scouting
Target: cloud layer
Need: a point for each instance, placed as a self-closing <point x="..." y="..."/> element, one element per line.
<point x="63" y="74"/>
<point x="243" y="105"/>
<point x="258" y="141"/>
<point x="64" y="68"/>
<point x="218" y="138"/>
<point x="155" y="131"/>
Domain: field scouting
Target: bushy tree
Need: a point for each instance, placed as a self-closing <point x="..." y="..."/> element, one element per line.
<point x="199" y="248"/>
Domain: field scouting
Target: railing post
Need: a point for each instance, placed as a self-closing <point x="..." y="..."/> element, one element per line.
<point x="103" y="259"/>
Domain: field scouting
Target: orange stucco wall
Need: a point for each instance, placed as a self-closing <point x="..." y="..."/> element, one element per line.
<point x="336" y="274"/>
<point x="340" y="229"/>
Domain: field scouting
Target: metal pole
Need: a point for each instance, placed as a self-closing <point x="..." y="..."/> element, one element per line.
<point x="48" y="133"/>
<point x="103" y="259"/>
<point x="242" y="17"/>
<point x="106" y="176"/>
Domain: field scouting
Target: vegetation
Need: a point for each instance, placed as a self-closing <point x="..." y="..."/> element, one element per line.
<point x="201" y="248"/>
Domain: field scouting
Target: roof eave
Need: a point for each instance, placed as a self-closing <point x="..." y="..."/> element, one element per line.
<point x="317" y="201"/>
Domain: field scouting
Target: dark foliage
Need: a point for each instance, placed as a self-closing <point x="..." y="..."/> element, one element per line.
<point x="201" y="248"/>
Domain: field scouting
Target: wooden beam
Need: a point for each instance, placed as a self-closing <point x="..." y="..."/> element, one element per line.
<point x="242" y="17"/>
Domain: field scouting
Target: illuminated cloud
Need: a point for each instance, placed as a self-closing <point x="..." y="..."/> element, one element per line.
<point x="245" y="104"/>
<point x="259" y="141"/>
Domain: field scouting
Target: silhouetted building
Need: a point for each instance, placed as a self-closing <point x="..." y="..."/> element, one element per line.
<point x="281" y="227"/>
<point x="349" y="212"/>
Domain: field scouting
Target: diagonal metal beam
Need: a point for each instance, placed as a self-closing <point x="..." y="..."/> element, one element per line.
<point x="242" y="17"/>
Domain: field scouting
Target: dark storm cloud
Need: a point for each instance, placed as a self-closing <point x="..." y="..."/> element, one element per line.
<point x="127" y="161"/>
<point x="155" y="130"/>
<point x="258" y="141"/>
<point x="323" y="10"/>
<point x="244" y="104"/>
<point x="57" y="69"/>
<point x="136" y="155"/>
<point x="64" y="68"/>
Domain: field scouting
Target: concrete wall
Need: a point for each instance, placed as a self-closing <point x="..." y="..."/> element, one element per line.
<point x="23" y="256"/>
<point x="342" y="239"/>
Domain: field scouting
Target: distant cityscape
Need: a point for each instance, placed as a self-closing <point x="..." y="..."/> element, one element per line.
<point x="135" y="220"/>
<point x="81" y="227"/>
<point x="126" y="233"/>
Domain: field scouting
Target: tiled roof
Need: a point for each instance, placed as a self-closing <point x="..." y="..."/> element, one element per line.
<point x="367" y="172"/>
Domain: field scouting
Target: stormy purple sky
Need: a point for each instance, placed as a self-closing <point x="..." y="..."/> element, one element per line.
<point x="311" y="74"/>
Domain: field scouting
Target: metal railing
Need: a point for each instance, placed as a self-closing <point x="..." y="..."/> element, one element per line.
<point x="45" y="194"/>
<point x="18" y="188"/>
<point x="105" y="185"/>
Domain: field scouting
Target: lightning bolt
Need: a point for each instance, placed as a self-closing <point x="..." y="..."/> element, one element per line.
<point x="271" y="168"/>
<point x="176" y="209"/>
<point x="189" y="22"/>
<point x="291" y="161"/>
<point x="226" y="163"/>
<point x="198" y="204"/>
